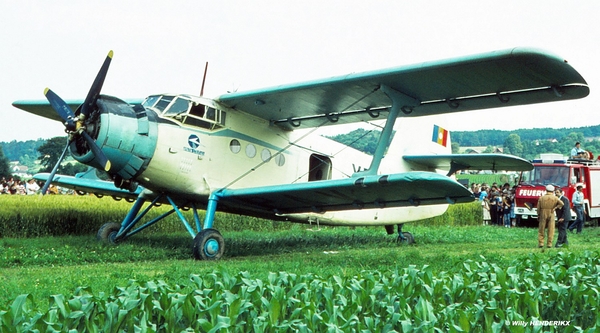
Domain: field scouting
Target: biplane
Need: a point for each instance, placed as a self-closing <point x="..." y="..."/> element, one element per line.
<point x="257" y="153"/>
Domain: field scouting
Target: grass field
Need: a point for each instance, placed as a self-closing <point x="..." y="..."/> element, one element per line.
<point x="46" y="266"/>
<point x="459" y="276"/>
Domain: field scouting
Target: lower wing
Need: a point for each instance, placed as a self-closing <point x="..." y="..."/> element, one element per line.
<point x="377" y="191"/>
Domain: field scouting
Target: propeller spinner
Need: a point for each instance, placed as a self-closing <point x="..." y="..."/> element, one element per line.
<point x="76" y="125"/>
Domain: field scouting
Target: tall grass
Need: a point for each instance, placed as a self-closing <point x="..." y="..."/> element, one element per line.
<point x="37" y="216"/>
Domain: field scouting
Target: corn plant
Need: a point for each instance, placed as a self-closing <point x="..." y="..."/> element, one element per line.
<point x="481" y="297"/>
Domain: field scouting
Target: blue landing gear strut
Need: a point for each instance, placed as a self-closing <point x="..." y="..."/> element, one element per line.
<point x="208" y="242"/>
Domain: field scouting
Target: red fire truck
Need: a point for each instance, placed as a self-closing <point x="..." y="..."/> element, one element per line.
<point x="554" y="169"/>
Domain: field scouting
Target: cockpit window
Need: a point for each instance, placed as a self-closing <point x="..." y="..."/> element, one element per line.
<point x="185" y="111"/>
<point x="150" y="101"/>
<point x="163" y="103"/>
<point x="178" y="107"/>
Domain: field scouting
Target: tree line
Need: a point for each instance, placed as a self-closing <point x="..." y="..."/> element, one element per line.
<point x="40" y="155"/>
<point x="525" y="143"/>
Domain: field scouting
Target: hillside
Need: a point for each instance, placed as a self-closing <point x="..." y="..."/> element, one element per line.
<point x="23" y="151"/>
<point x="497" y="137"/>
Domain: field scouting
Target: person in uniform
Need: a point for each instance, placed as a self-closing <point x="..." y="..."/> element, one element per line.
<point x="564" y="217"/>
<point x="546" y="206"/>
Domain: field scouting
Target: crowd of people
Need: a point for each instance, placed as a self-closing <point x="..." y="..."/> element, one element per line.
<point x="497" y="202"/>
<point x="19" y="187"/>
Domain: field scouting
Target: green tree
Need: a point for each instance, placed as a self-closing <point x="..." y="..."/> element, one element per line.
<point x="4" y="165"/>
<point x="512" y="145"/>
<point x="455" y="147"/>
<point x="50" y="152"/>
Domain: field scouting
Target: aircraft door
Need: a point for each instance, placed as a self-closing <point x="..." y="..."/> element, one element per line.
<point x="319" y="168"/>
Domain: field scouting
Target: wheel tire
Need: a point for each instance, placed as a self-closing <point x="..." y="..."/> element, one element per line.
<point x="408" y="238"/>
<point x="108" y="232"/>
<point x="208" y="245"/>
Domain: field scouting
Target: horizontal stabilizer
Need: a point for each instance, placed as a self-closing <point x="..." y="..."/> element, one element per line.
<point x="376" y="191"/>
<point x="43" y="108"/>
<point x="90" y="185"/>
<point x="455" y="162"/>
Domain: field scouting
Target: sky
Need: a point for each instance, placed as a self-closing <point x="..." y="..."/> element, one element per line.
<point x="162" y="47"/>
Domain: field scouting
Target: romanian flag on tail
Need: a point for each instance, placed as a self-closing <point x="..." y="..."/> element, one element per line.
<point x="440" y="135"/>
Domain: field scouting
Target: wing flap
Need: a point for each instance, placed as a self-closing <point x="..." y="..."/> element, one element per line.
<point x="473" y="162"/>
<point x="496" y="79"/>
<point x="378" y="191"/>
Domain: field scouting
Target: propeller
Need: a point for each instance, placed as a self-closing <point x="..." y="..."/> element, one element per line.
<point x="75" y="124"/>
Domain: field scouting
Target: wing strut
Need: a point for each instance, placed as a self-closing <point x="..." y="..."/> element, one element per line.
<point x="400" y="102"/>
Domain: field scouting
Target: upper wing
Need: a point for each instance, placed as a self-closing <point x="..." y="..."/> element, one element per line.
<point x="44" y="109"/>
<point x="496" y="79"/>
<point x="90" y="185"/>
<point x="455" y="162"/>
<point x="377" y="191"/>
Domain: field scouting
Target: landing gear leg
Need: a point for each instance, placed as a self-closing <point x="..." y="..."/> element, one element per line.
<point x="404" y="237"/>
<point x="208" y="243"/>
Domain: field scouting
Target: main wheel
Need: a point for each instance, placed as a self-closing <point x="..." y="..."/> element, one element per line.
<point x="108" y="232"/>
<point x="407" y="238"/>
<point x="208" y="245"/>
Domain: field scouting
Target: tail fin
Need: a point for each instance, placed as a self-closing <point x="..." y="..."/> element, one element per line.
<point x="416" y="136"/>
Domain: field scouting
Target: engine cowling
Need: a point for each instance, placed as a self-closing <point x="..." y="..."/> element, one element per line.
<point x="127" y="135"/>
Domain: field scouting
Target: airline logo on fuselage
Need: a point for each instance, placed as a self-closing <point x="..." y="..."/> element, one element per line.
<point x="194" y="144"/>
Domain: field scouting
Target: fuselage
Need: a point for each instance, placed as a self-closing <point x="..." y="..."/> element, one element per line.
<point x="190" y="146"/>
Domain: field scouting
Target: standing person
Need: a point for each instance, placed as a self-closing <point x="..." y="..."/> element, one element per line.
<point x="564" y="217"/>
<point x="485" y="205"/>
<point x="546" y="206"/>
<point x="577" y="200"/>
<point x="32" y="187"/>
<point x="493" y="205"/>
<point x="507" y="204"/>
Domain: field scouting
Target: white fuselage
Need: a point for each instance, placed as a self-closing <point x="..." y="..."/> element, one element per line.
<point x="246" y="151"/>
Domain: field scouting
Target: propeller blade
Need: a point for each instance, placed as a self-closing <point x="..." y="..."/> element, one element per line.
<point x="90" y="100"/>
<point x="61" y="107"/>
<point x="102" y="159"/>
<point x="49" y="181"/>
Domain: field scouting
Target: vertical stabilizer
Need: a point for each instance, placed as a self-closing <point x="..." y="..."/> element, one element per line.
<point x="416" y="136"/>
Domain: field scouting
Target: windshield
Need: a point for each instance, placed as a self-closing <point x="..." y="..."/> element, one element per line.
<point x="546" y="175"/>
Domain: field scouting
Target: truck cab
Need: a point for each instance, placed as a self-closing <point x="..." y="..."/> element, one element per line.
<point x="556" y="170"/>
